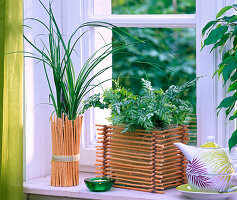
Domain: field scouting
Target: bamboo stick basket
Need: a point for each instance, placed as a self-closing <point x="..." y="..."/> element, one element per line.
<point x="142" y="161"/>
<point x="66" y="136"/>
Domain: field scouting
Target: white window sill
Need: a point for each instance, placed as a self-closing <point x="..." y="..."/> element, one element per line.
<point x="41" y="186"/>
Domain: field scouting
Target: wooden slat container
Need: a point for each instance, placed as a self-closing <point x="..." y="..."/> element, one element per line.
<point x="142" y="161"/>
<point x="66" y="136"/>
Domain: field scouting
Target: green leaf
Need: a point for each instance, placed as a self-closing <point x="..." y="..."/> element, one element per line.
<point x="226" y="56"/>
<point x="233" y="18"/>
<point x="221" y="42"/>
<point x="233" y="140"/>
<point x="235" y="31"/>
<point x="228" y="110"/>
<point x="223" y="10"/>
<point x="229" y="19"/>
<point x="232" y="87"/>
<point x="208" y="25"/>
<point x="227" y="102"/>
<point x="220" y="70"/>
<point x="235" y="42"/>
<point x="215" y="35"/>
<point x="234" y="116"/>
<point x="228" y="69"/>
<point x="234" y="77"/>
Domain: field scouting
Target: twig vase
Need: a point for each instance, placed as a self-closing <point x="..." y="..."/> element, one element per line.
<point x="66" y="136"/>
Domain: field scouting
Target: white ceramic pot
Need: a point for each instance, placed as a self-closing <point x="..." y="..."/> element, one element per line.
<point x="210" y="183"/>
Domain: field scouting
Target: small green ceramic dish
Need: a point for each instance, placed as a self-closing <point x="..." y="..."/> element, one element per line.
<point x="99" y="184"/>
<point x="187" y="191"/>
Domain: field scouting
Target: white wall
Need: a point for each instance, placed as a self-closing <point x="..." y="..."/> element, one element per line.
<point x="37" y="147"/>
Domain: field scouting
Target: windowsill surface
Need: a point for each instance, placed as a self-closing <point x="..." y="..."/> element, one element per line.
<point x="41" y="186"/>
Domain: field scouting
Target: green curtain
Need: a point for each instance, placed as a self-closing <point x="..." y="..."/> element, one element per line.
<point x="11" y="74"/>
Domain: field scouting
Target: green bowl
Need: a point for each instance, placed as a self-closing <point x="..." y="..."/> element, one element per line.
<point x="99" y="184"/>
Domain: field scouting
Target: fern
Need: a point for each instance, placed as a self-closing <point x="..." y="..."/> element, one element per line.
<point x="154" y="109"/>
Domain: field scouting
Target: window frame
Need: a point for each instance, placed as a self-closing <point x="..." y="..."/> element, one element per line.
<point x="209" y="90"/>
<point x="207" y="121"/>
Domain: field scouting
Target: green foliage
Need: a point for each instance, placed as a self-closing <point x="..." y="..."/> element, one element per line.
<point x="56" y="54"/>
<point x="153" y="7"/>
<point x="225" y="31"/>
<point x="153" y="109"/>
<point x="169" y="53"/>
<point x="232" y="140"/>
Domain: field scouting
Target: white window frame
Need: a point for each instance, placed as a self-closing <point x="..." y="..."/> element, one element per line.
<point x="209" y="91"/>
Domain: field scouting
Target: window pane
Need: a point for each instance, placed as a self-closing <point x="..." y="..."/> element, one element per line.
<point x="172" y="54"/>
<point x="153" y="6"/>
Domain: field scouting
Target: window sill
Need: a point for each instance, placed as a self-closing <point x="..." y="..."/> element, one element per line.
<point x="41" y="186"/>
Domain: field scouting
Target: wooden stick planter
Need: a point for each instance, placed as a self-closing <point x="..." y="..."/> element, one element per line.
<point x="142" y="161"/>
<point x="66" y="136"/>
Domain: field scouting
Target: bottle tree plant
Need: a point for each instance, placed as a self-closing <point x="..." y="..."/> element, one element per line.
<point x="221" y="33"/>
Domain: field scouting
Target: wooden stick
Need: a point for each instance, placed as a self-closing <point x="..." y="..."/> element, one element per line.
<point x="167" y="163"/>
<point x="133" y="184"/>
<point x="169" y="134"/>
<point x="127" y="176"/>
<point x="170" y="138"/>
<point x="170" y="170"/>
<point x="130" y="180"/>
<point x="169" y="166"/>
<point x="111" y="163"/>
<point x="135" y="147"/>
<point x="168" y="178"/>
<point x="129" y="141"/>
<point x="131" y="161"/>
<point x="168" y="154"/>
<point x="111" y="167"/>
<point x="133" y="188"/>
<point x="126" y="136"/>
<point x="129" y="172"/>
<point x="125" y="155"/>
<point x="167" y="144"/>
<point x="128" y="153"/>
<point x="168" y="175"/>
<point x="172" y="185"/>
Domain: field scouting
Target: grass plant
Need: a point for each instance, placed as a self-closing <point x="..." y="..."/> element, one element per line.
<point x="56" y="55"/>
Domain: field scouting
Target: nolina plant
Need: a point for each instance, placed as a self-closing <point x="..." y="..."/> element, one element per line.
<point x="56" y="56"/>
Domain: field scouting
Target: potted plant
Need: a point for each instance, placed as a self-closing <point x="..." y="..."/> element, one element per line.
<point x="67" y="91"/>
<point x="220" y="33"/>
<point x="154" y="109"/>
<point x="137" y="149"/>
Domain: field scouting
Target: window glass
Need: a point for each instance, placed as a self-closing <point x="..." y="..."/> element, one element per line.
<point x="153" y="6"/>
<point x="172" y="55"/>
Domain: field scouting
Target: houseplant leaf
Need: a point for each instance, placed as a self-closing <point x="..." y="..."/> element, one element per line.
<point x="233" y="140"/>
<point x="223" y="10"/>
<point x="215" y="35"/>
